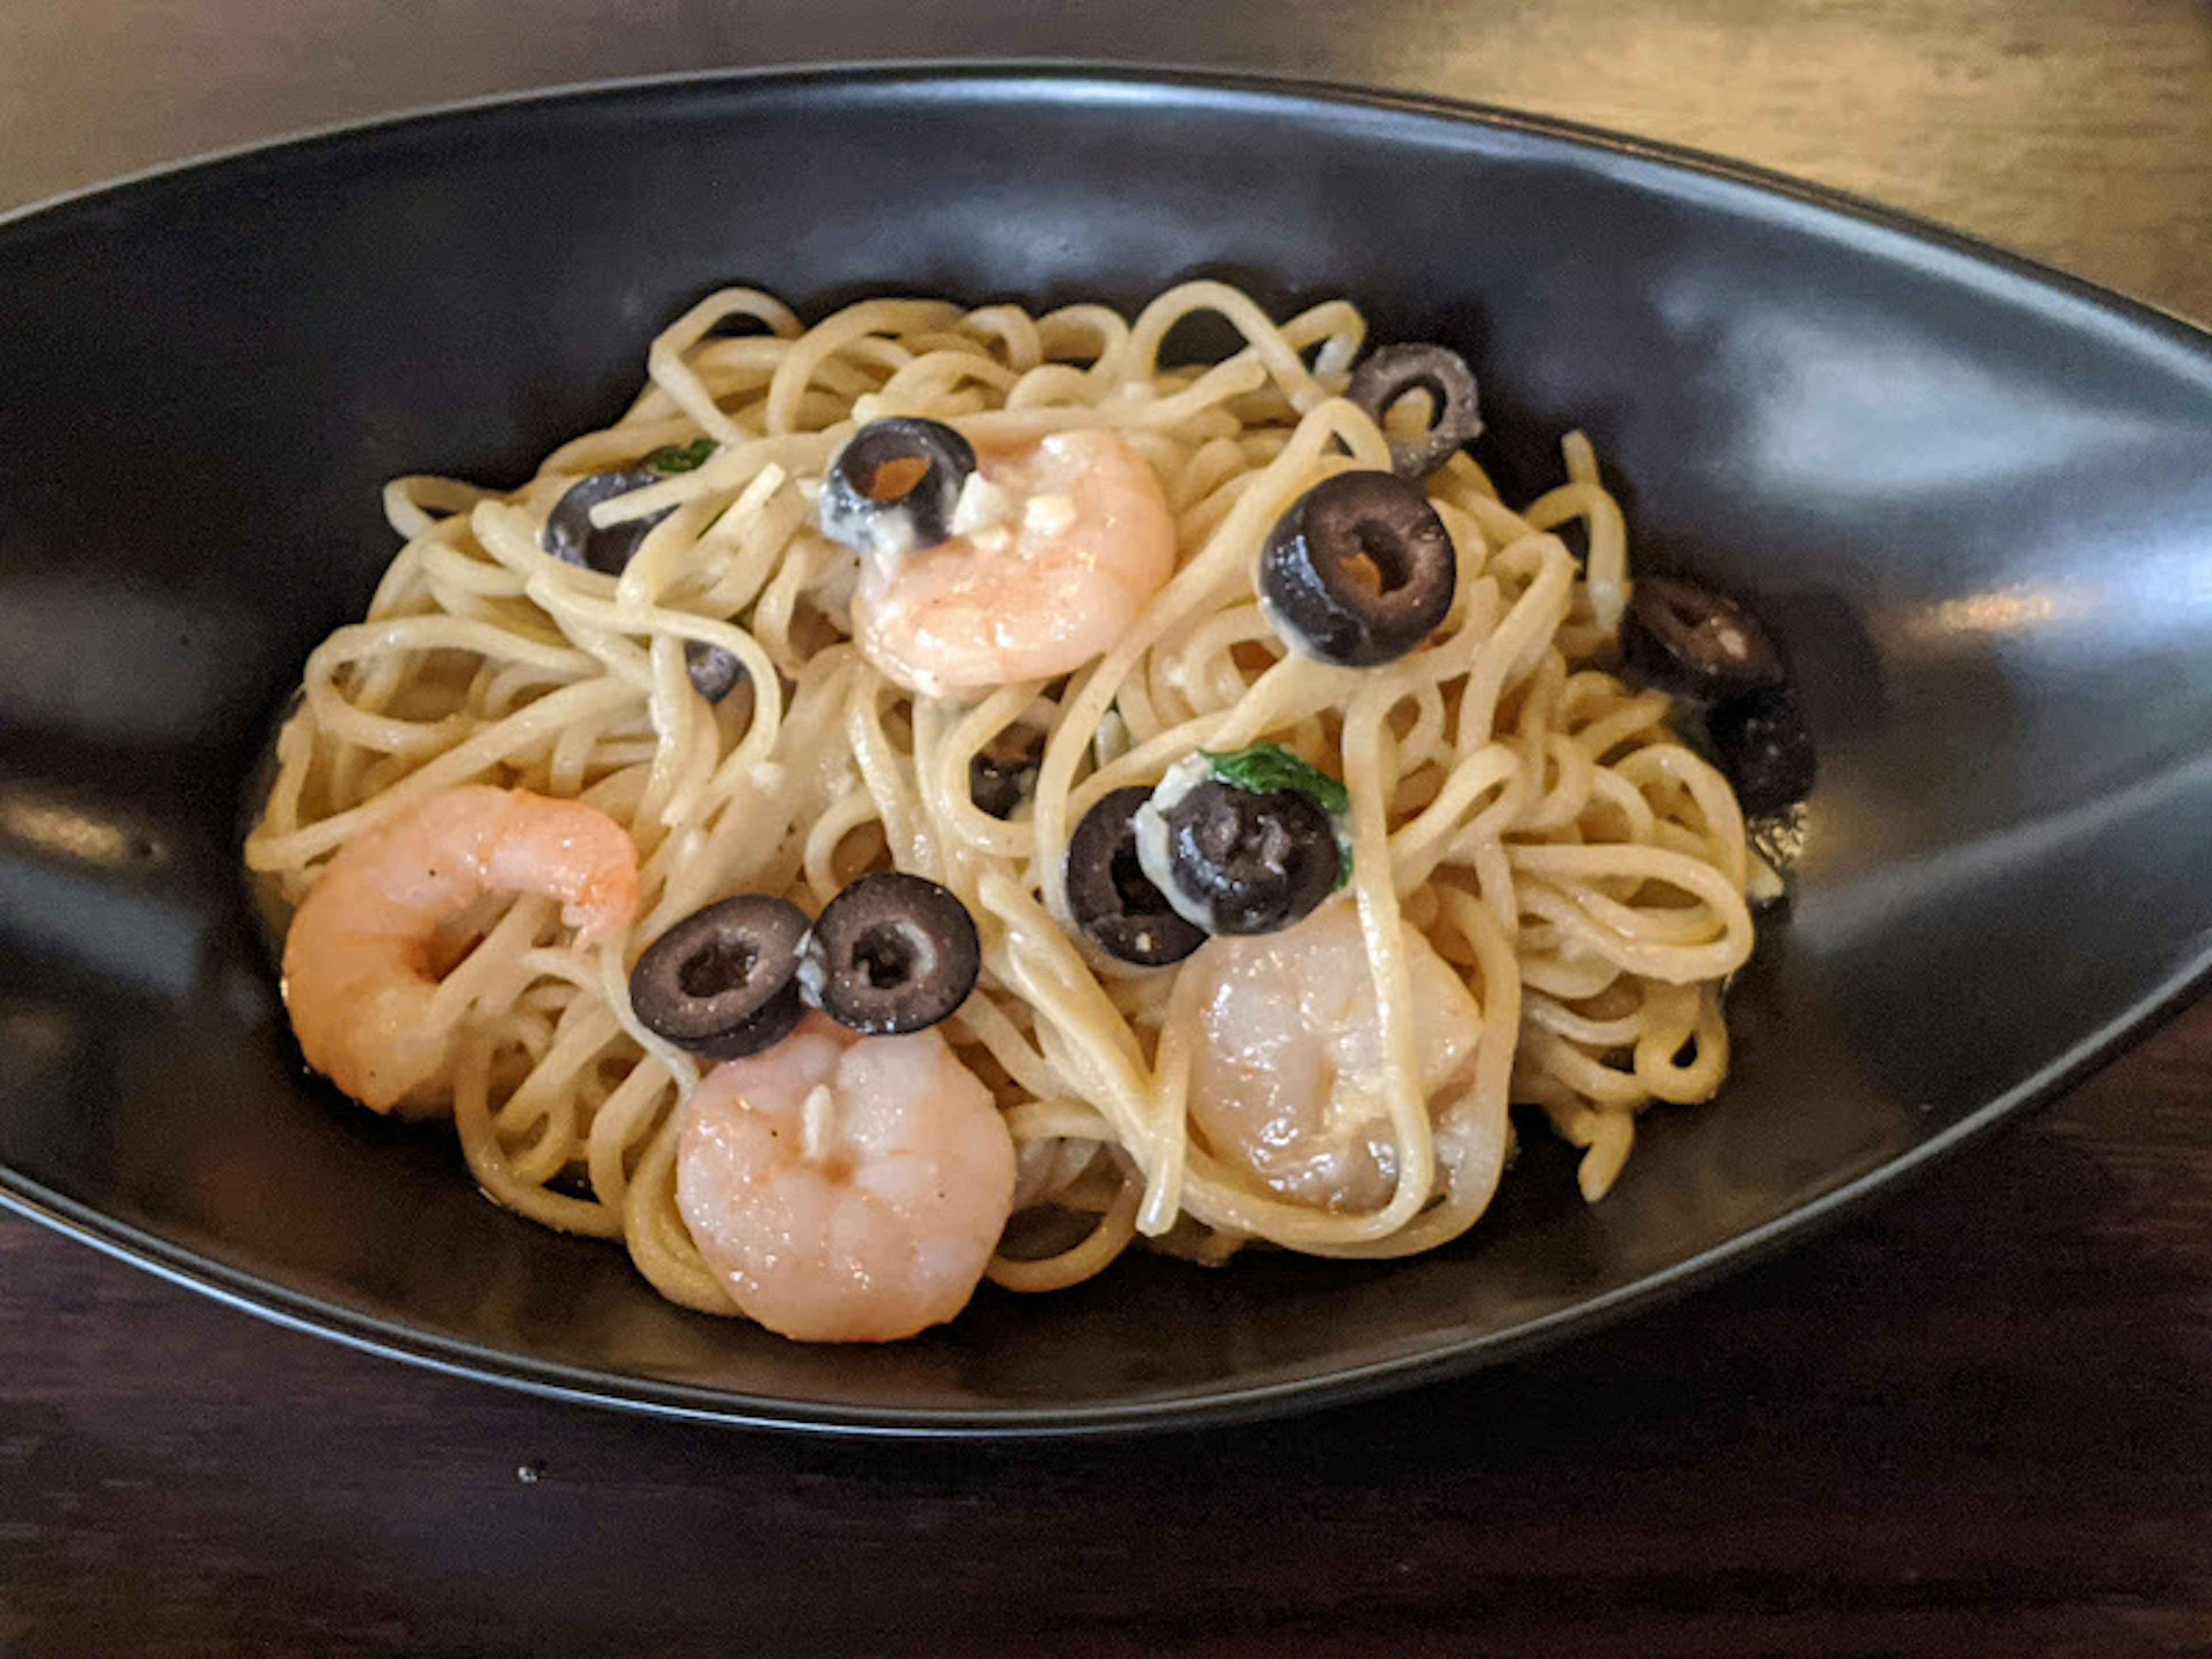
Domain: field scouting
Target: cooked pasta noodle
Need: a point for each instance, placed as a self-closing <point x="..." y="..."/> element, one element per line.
<point x="1513" y="803"/>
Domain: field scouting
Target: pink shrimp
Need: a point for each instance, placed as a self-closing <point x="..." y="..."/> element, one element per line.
<point x="1286" y="1080"/>
<point x="845" y="1190"/>
<point x="357" y="960"/>
<point x="1077" y="540"/>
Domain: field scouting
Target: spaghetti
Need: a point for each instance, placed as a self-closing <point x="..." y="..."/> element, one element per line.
<point x="1516" y="812"/>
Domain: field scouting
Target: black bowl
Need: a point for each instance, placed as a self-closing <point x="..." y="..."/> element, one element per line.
<point x="1974" y="497"/>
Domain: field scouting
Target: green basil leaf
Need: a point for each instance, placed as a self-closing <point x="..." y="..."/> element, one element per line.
<point x="671" y="458"/>
<point x="1264" y="768"/>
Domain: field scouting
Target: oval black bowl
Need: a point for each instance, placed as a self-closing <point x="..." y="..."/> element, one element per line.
<point x="1974" y="497"/>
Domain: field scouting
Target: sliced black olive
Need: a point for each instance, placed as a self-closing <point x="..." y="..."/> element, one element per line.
<point x="571" y="537"/>
<point x="1392" y="371"/>
<point x="1247" y="863"/>
<point x="1694" y="643"/>
<point x="893" y="953"/>
<point x="714" y="672"/>
<point x="1116" y="904"/>
<point x="1764" y="747"/>
<point x="724" y="982"/>
<point x="1003" y="775"/>
<point x="893" y="486"/>
<point x="1360" y="570"/>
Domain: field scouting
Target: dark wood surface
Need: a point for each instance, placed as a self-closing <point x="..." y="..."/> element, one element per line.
<point x="1977" y="1421"/>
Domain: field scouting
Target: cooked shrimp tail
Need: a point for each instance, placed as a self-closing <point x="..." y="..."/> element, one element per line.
<point x="358" y="974"/>
<point x="1072" y="540"/>
<point x="1288" y="1084"/>
<point x="844" y="1189"/>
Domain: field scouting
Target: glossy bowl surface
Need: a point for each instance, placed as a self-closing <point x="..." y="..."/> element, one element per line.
<point x="1974" y="497"/>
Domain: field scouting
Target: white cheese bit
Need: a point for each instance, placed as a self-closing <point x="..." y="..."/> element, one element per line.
<point x="813" y="973"/>
<point x="817" y="1125"/>
<point x="1048" y="515"/>
<point x="1185" y="776"/>
<point x="886" y="538"/>
<point x="997" y="538"/>
<point x="981" y="505"/>
<point x="1288" y="631"/>
<point x="1153" y="855"/>
<point x="1762" y="884"/>
<point x="890" y="537"/>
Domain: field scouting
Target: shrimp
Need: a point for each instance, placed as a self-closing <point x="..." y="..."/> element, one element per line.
<point x="358" y="975"/>
<point x="1063" y="545"/>
<point x="844" y="1190"/>
<point x="1286" y="1072"/>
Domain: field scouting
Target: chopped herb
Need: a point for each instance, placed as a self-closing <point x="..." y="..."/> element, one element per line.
<point x="671" y="458"/>
<point x="1264" y="768"/>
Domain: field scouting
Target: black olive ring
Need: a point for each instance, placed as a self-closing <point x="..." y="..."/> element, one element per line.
<point x="1235" y="861"/>
<point x="1389" y="373"/>
<point x="1709" y="651"/>
<point x="573" y="539"/>
<point x="1114" y="903"/>
<point x="724" y="982"/>
<point x="714" y="671"/>
<point x="892" y="953"/>
<point x="1763" y="744"/>
<point x="1003" y="775"/>
<point x="870" y="503"/>
<point x="1360" y="570"/>
<point x="1694" y="643"/>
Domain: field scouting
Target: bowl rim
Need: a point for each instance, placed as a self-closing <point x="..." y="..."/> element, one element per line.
<point x="1056" y="80"/>
<point x="1046" y="73"/>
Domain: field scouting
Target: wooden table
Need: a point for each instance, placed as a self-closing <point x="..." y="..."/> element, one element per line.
<point x="1977" y="1421"/>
